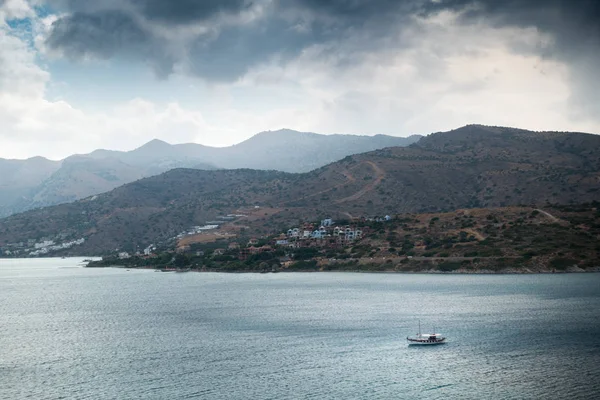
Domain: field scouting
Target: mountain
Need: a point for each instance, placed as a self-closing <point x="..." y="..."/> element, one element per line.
<point x="38" y="182"/>
<point x="17" y="177"/>
<point x="471" y="167"/>
<point x="81" y="176"/>
<point x="271" y="150"/>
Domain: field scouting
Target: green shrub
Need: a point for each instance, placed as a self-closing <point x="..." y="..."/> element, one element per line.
<point x="303" y="266"/>
<point x="449" y="266"/>
<point x="562" y="264"/>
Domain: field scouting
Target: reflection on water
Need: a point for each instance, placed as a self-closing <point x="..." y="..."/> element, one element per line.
<point x="111" y="333"/>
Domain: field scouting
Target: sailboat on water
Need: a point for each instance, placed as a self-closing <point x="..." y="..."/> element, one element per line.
<point x="424" y="339"/>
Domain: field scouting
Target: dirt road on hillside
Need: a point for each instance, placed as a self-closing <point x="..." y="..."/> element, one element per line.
<point x="380" y="175"/>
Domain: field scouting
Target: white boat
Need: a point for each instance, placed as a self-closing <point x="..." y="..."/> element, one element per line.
<point x="426" y="339"/>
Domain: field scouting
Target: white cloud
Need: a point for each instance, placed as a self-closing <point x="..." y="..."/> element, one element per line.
<point x="15" y="9"/>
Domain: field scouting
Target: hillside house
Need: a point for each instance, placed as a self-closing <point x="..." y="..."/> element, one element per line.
<point x="148" y="250"/>
<point x="233" y="246"/>
<point x="219" y="252"/>
<point x="347" y="233"/>
<point x="327" y="222"/>
<point x="253" y="242"/>
<point x="293" y="233"/>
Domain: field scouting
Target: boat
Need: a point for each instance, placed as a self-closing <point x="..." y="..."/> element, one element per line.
<point x="426" y="339"/>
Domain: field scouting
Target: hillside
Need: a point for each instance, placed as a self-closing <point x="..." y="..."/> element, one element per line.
<point x="38" y="182"/>
<point x="508" y="239"/>
<point x="471" y="167"/>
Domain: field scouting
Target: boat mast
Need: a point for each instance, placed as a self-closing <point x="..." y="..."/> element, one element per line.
<point x="419" y="328"/>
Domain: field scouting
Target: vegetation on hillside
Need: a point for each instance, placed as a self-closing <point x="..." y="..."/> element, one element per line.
<point x="513" y="239"/>
<point x="472" y="167"/>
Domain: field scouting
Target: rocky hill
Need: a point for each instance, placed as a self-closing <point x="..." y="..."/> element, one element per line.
<point x="37" y="182"/>
<point x="471" y="167"/>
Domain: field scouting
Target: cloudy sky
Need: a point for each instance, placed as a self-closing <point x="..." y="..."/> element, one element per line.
<point x="76" y="75"/>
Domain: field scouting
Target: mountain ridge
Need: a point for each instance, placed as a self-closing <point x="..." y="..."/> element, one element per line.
<point x="103" y="170"/>
<point x="441" y="173"/>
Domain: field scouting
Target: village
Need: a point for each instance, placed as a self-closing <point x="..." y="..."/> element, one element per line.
<point x="216" y="248"/>
<point x="37" y="248"/>
<point x="326" y="235"/>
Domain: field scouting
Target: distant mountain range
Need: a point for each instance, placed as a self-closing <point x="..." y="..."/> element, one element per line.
<point x="471" y="167"/>
<point x="38" y="182"/>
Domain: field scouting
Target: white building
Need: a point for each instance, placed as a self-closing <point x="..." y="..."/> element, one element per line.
<point x="45" y="243"/>
<point x="327" y="222"/>
<point x="293" y="233"/>
<point x="316" y="234"/>
<point x="148" y="250"/>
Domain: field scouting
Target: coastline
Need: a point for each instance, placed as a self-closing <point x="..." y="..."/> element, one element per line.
<point x="508" y="271"/>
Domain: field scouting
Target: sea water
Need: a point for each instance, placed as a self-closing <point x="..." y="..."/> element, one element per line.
<point x="68" y="332"/>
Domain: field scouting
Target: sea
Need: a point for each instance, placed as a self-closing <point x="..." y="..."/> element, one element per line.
<point x="69" y="332"/>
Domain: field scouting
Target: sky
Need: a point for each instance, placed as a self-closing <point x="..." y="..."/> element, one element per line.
<point x="77" y="75"/>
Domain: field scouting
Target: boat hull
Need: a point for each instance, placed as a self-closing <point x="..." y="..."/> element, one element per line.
<point x="410" y="343"/>
<point x="425" y="342"/>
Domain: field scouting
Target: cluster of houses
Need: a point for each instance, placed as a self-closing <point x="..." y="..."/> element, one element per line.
<point x="308" y="235"/>
<point x="341" y="234"/>
<point x="148" y="251"/>
<point x="326" y="234"/>
<point x="34" y="248"/>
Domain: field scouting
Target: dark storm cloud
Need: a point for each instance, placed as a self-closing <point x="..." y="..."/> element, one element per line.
<point x="236" y="49"/>
<point x="287" y="27"/>
<point x="185" y="11"/>
<point x="102" y="33"/>
<point x="545" y="14"/>
<point x="359" y="9"/>
<point x="109" y="33"/>
<point x="109" y="28"/>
